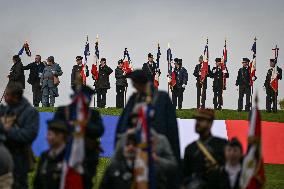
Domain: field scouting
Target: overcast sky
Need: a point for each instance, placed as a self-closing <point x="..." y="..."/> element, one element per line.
<point x="59" y="28"/>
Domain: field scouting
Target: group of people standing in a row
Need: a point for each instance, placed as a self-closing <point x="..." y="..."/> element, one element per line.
<point x="44" y="78"/>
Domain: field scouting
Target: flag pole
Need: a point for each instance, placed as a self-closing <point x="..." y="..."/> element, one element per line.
<point x="168" y="70"/>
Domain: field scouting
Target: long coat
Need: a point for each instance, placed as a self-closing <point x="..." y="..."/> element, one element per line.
<point x="165" y="121"/>
<point x="268" y="77"/>
<point x="149" y="70"/>
<point x="243" y="78"/>
<point x="181" y="77"/>
<point x="35" y="72"/>
<point x="17" y="74"/>
<point x="76" y="70"/>
<point x="218" y="75"/>
<point x="120" y="78"/>
<point x="103" y="81"/>
<point x="196" y="74"/>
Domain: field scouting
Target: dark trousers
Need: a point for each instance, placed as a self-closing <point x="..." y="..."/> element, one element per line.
<point x="244" y="90"/>
<point x="20" y="173"/>
<point x="101" y="97"/>
<point x="218" y="98"/>
<point x="177" y="97"/>
<point x="201" y="96"/>
<point x="120" y="91"/>
<point x="271" y="99"/>
<point x="37" y="94"/>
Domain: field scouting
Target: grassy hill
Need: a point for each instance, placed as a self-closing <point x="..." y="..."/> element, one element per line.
<point x="274" y="173"/>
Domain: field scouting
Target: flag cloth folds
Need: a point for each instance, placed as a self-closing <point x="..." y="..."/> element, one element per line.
<point x="86" y="54"/>
<point x="171" y="74"/>
<point x="253" y="176"/>
<point x="73" y="161"/>
<point x="126" y="62"/>
<point x="94" y="70"/>
<point x="224" y="64"/>
<point x="157" y="71"/>
<point x="252" y="65"/>
<point x="204" y="65"/>
<point x="25" y="48"/>
<point x="274" y="76"/>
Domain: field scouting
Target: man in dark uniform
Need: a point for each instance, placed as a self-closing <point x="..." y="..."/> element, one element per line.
<point x="94" y="130"/>
<point x="49" y="170"/>
<point x="181" y="82"/>
<point x="36" y="69"/>
<point x="218" y="83"/>
<point x="271" y="95"/>
<point x="204" y="156"/>
<point x="121" y="85"/>
<point x="76" y="71"/>
<point x="165" y="116"/>
<point x="16" y="74"/>
<point x="243" y="81"/>
<point x="149" y="68"/>
<point x="201" y="86"/>
<point x="103" y="83"/>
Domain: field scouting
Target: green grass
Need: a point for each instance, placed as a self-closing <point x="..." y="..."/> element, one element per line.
<point x="274" y="173"/>
<point x="188" y="113"/>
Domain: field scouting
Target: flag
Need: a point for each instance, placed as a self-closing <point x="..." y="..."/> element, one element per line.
<point x="126" y="62"/>
<point x="71" y="177"/>
<point x="274" y="76"/>
<point x="86" y="54"/>
<point x="171" y="74"/>
<point x="94" y="71"/>
<point x="252" y="65"/>
<point x="25" y="48"/>
<point x="204" y="65"/>
<point x="157" y="71"/>
<point x="252" y="175"/>
<point x="224" y="64"/>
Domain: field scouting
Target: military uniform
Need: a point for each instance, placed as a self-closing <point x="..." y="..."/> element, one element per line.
<point x="149" y="68"/>
<point x="271" y="95"/>
<point x="201" y="87"/>
<point x="121" y="84"/>
<point x="76" y="72"/>
<point x="17" y="72"/>
<point x="218" y="84"/>
<point x="49" y="89"/>
<point x="103" y="85"/>
<point x="181" y="81"/>
<point x="36" y="70"/>
<point x="243" y="81"/>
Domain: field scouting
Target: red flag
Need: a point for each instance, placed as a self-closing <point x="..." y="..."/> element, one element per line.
<point x="274" y="79"/>
<point x="95" y="72"/>
<point x="83" y="75"/>
<point x="204" y="64"/>
<point x="253" y="176"/>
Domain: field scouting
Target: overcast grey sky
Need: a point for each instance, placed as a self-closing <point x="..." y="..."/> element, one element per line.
<point x="59" y="28"/>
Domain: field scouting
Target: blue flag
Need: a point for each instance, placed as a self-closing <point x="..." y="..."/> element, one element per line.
<point x="87" y="50"/>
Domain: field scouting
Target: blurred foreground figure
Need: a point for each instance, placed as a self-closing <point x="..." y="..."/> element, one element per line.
<point x="203" y="157"/>
<point x="87" y="124"/>
<point x="49" y="170"/>
<point x="20" y="123"/>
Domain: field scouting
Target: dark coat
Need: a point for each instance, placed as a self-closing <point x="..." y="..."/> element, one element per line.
<point x="224" y="180"/>
<point x="149" y="70"/>
<point x="48" y="174"/>
<point x="165" y="121"/>
<point x="35" y="71"/>
<point x="218" y="75"/>
<point x="103" y="81"/>
<point x="268" y="77"/>
<point x="181" y="77"/>
<point x="17" y="74"/>
<point x="243" y="78"/>
<point x="76" y="70"/>
<point x="196" y="74"/>
<point x="120" y="78"/>
<point x="195" y="161"/>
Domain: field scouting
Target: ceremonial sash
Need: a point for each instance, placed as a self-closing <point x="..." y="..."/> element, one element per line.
<point x="206" y="153"/>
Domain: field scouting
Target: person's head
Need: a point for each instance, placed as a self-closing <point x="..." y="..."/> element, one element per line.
<point x="245" y="62"/>
<point x="130" y="147"/>
<point x="14" y="93"/>
<point x="79" y="60"/>
<point x="16" y="58"/>
<point x="50" y="60"/>
<point x="200" y="59"/>
<point x="204" y="120"/>
<point x="218" y="62"/>
<point x="120" y="63"/>
<point x="272" y="63"/>
<point x="176" y="62"/>
<point x="233" y="152"/>
<point x="57" y="133"/>
<point x="139" y="80"/>
<point x="37" y="58"/>
<point x="103" y="62"/>
<point x="150" y="57"/>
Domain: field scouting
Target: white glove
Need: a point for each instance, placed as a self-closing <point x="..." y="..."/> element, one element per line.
<point x="124" y="73"/>
<point x="183" y="86"/>
<point x="224" y="71"/>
